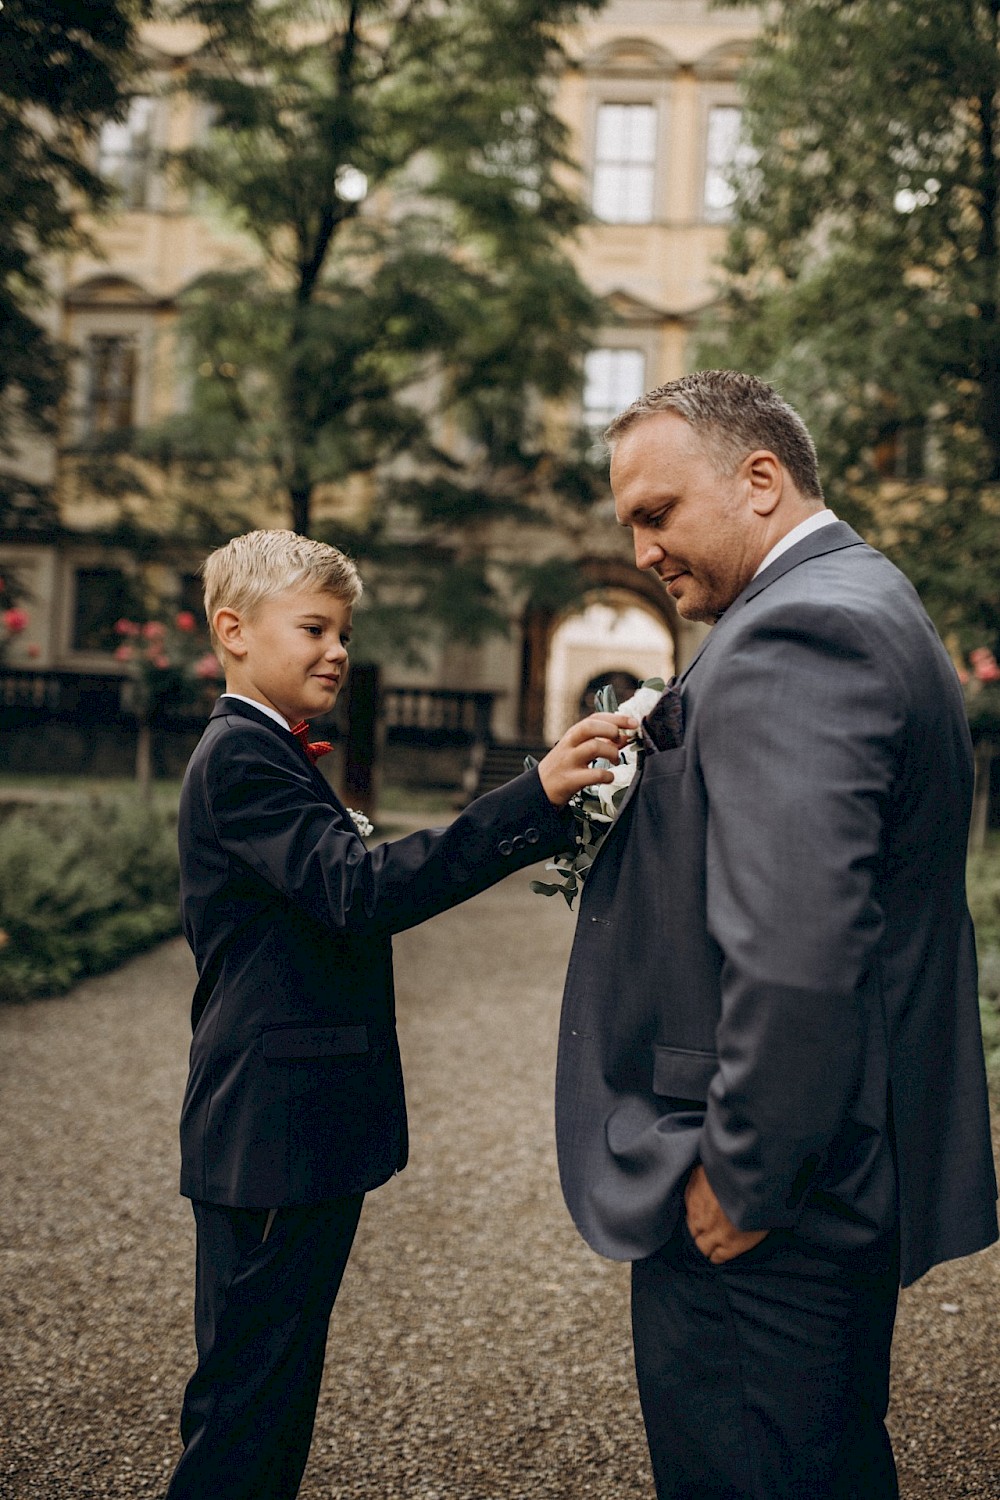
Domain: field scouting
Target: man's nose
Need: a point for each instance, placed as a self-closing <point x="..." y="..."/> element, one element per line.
<point x="648" y="551"/>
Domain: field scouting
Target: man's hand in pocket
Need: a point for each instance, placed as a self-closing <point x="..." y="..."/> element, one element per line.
<point x="713" y="1232"/>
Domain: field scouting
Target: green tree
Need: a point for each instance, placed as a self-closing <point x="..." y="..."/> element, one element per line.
<point x="403" y="175"/>
<point x="864" y="273"/>
<point x="66" y="69"/>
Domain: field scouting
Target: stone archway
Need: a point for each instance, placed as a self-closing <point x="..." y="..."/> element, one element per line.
<point x="614" y="638"/>
<point x="613" y="585"/>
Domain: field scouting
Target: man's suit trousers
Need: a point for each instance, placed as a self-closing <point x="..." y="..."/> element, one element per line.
<point x="767" y="1377"/>
<point x="263" y="1297"/>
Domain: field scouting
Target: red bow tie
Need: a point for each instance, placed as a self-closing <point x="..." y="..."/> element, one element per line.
<point x="316" y="748"/>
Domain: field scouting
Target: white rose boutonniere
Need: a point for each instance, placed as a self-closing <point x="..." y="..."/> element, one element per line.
<point x="596" y="807"/>
<point x="362" y="825"/>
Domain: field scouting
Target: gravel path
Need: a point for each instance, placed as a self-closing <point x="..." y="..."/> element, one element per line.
<point x="478" y="1351"/>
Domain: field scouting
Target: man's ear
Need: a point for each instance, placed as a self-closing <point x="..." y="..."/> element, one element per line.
<point x="228" y="627"/>
<point x="765" y="479"/>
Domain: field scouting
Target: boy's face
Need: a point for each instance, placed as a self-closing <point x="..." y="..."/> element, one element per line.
<point x="290" y="653"/>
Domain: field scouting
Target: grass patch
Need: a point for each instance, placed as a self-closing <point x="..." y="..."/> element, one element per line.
<point x="432" y="802"/>
<point x="984" y="893"/>
<point x="984" y="904"/>
<point x="45" y="789"/>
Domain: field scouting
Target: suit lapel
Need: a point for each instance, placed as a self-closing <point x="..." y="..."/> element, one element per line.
<point x="227" y="707"/>
<point x="832" y="538"/>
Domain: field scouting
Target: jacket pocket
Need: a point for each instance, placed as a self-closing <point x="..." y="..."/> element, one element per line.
<point x="682" y="1073"/>
<point x="664" y="763"/>
<point x="314" y="1041"/>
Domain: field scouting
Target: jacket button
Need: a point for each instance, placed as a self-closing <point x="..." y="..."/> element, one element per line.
<point x="518" y="841"/>
<point x="505" y="847"/>
<point x="531" y="834"/>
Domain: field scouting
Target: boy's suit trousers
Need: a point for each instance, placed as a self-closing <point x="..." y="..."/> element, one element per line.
<point x="262" y="1309"/>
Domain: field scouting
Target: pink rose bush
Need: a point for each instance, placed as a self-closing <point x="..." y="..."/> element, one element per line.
<point x="980" y="681"/>
<point x="167" y="662"/>
<point x="13" y="623"/>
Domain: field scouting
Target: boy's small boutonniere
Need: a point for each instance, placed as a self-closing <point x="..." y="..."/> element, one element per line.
<point x="365" y="828"/>
<point x="596" y="807"/>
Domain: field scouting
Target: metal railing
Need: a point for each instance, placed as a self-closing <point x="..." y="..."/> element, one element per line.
<point x="409" y="714"/>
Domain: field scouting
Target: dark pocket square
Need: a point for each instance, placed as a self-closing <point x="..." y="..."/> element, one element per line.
<point x="663" y="726"/>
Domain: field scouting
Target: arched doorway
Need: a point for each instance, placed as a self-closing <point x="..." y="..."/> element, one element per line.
<point x="613" y="637"/>
<point x="612" y="582"/>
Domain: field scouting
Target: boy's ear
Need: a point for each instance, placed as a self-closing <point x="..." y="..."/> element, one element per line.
<point x="229" y="630"/>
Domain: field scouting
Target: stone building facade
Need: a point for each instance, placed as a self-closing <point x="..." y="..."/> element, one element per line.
<point x="651" y="96"/>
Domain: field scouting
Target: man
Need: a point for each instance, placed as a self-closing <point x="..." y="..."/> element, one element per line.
<point x="771" y="1093"/>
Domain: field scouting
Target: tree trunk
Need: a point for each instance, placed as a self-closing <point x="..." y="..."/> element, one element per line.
<point x="981" y="796"/>
<point x="362" y="753"/>
<point x="301" y="496"/>
<point x="143" y="758"/>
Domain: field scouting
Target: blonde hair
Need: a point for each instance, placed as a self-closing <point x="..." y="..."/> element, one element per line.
<point x="261" y="564"/>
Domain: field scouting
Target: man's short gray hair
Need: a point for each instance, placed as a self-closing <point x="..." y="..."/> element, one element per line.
<point x="736" y="414"/>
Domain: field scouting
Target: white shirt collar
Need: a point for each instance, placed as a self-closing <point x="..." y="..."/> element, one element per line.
<point x="262" y="708"/>
<point x="804" y="528"/>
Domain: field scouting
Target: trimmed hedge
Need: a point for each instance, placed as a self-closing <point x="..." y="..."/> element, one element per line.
<point x="82" y="887"/>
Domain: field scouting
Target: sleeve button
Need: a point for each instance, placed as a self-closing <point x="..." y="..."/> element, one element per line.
<point x="519" y="841"/>
<point x="505" y="847"/>
<point x="531" y="835"/>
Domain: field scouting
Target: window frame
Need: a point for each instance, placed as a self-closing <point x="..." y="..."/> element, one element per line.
<point x="620" y="347"/>
<point x="605" y="87"/>
<point x="131" y="168"/>
<point x="626" y="170"/>
<point x="110" y="397"/>
<point x="713" y="96"/>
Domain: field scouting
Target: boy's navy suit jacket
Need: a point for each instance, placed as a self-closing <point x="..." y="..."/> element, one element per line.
<point x="295" y="1091"/>
<point x="774" y="970"/>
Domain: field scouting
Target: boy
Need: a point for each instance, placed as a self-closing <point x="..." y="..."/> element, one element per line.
<point x="294" y="1104"/>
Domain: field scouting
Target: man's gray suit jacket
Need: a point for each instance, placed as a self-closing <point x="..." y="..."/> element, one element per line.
<point x="774" y="968"/>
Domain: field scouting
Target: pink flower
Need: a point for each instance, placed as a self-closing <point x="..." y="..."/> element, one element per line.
<point x="160" y="661"/>
<point x="207" y="668"/>
<point x="984" y="665"/>
<point x="186" y="621"/>
<point x="15" y="620"/>
<point x="34" y="651"/>
<point x="122" y="653"/>
<point x="126" y="627"/>
<point x="154" y="630"/>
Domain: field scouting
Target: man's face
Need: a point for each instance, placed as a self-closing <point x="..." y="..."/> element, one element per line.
<point x="295" y="652"/>
<point x="692" y="526"/>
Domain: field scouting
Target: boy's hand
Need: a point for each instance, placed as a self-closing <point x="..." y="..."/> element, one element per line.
<point x="566" y="769"/>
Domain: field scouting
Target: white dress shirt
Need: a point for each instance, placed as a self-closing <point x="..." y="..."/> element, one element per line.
<point x="263" y="708"/>
<point x="804" y="528"/>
